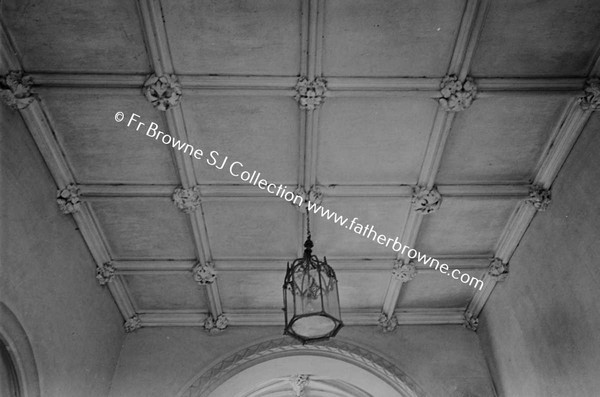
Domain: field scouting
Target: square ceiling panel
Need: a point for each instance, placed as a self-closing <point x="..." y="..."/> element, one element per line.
<point x="465" y="226"/>
<point x="251" y="290"/>
<point x="144" y="228"/>
<point x="373" y="140"/>
<point x="232" y="37"/>
<point x="99" y="149"/>
<point x="261" y="132"/>
<point x="371" y="284"/>
<point x="387" y="215"/>
<point x="176" y="291"/>
<point x="252" y="227"/>
<point x="499" y="139"/>
<point x="388" y="38"/>
<point x="538" y="38"/>
<point x="77" y="36"/>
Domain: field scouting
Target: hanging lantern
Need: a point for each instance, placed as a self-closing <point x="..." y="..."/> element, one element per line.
<point x="310" y="298"/>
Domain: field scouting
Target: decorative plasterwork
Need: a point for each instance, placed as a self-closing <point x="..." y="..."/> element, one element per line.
<point x="163" y="92"/>
<point x="310" y="94"/>
<point x="591" y="95"/>
<point x="387" y="323"/>
<point x="68" y="199"/>
<point x="132" y="324"/>
<point x="498" y="269"/>
<point x="215" y="326"/>
<point x="299" y="382"/>
<point x="425" y="201"/>
<point x="539" y="198"/>
<point x="15" y="90"/>
<point x="471" y="322"/>
<point x="314" y="196"/>
<point x="105" y="273"/>
<point x="187" y="200"/>
<point x="404" y="271"/>
<point x="456" y="95"/>
<point x="204" y="273"/>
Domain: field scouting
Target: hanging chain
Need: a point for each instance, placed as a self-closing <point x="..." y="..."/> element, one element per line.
<point x="307" y="224"/>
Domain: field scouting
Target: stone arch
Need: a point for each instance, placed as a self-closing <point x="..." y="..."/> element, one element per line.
<point x="331" y="364"/>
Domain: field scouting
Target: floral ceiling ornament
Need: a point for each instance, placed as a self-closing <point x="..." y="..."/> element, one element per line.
<point x="68" y="199"/>
<point x="498" y="269"/>
<point x="310" y="94"/>
<point x="132" y="323"/>
<point x="15" y="90"/>
<point x="187" y="200"/>
<point x="471" y="322"/>
<point x="299" y="382"/>
<point x="214" y="326"/>
<point x="591" y="95"/>
<point x="457" y="95"/>
<point x="404" y="271"/>
<point x="539" y="197"/>
<point x="314" y="196"/>
<point x="163" y="92"/>
<point x="204" y="273"/>
<point x="387" y="324"/>
<point x="425" y="201"/>
<point x="105" y="273"/>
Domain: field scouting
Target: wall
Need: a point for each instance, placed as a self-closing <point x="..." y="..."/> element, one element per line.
<point x="47" y="276"/>
<point x="540" y="327"/>
<point x="445" y="360"/>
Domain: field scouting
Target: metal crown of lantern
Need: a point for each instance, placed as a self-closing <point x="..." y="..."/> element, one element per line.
<point x="310" y="297"/>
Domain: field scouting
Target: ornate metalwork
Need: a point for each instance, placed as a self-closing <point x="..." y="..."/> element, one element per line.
<point x="187" y="200"/>
<point x="591" y="95"/>
<point x="204" y="273"/>
<point x="387" y="324"/>
<point x="105" y="273"/>
<point x="215" y="326"/>
<point x="539" y="198"/>
<point x="15" y="90"/>
<point x="163" y="92"/>
<point x="404" y="271"/>
<point x="310" y="94"/>
<point x="498" y="269"/>
<point x="457" y="95"/>
<point x="68" y="199"/>
<point x="425" y="201"/>
<point x="132" y="323"/>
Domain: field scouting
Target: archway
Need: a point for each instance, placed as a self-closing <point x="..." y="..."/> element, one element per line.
<point x="329" y="368"/>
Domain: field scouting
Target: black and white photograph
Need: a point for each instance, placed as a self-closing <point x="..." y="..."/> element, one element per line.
<point x="299" y="198"/>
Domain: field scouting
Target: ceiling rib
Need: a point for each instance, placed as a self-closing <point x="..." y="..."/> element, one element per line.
<point x="468" y="35"/>
<point x="37" y="123"/>
<point x="158" y="48"/>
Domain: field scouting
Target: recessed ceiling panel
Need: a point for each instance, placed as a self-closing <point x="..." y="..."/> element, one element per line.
<point x="362" y="289"/>
<point x="77" y="36"/>
<point x="538" y="38"/>
<point x="251" y="289"/>
<point x="166" y="292"/>
<point x="386" y="215"/>
<point x="500" y="139"/>
<point x="251" y="227"/>
<point x="433" y="289"/>
<point x="231" y="37"/>
<point x="389" y="38"/>
<point x="464" y="226"/>
<point x="373" y="140"/>
<point x="99" y="149"/>
<point x="144" y="228"/>
<point x="261" y="132"/>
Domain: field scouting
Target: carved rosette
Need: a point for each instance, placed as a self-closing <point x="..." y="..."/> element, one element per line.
<point x="457" y="95"/>
<point x="132" y="323"/>
<point x="591" y="95"/>
<point x="299" y="383"/>
<point x="105" y="273"/>
<point x="15" y="90"/>
<point x="204" y="273"/>
<point x="404" y="271"/>
<point x="163" y="92"/>
<point x="314" y="196"/>
<point x="471" y="322"/>
<point x="187" y="200"/>
<point x="310" y="94"/>
<point x="387" y="324"/>
<point x="68" y="199"/>
<point x="214" y="326"/>
<point x="425" y="201"/>
<point x="539" y="198"/>
<point x="498" y="269"/>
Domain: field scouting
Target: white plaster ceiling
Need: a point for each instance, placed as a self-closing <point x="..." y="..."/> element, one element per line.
<point x="376" y="135"/>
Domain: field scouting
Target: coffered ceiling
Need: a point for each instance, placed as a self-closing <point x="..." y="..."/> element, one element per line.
<point x="379" y="133"/>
